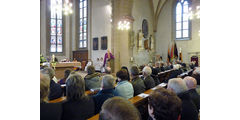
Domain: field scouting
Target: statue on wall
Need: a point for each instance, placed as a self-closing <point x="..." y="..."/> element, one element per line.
<point x="146" y="44"/>
<point x="139" y="39"/>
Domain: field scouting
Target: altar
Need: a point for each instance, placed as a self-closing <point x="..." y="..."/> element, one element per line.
<point x="62" y="66"/>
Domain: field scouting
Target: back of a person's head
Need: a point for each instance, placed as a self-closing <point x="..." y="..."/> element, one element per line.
<point x="49" y="71"/>
<point x="134" y="70"/>
<point x="90" y="69"/>
<point x="190" y="82"/>
<point x="154" y="71"/>
<point x="75" y="87"/>
<point x="118" y="108"/>
<point x="108" y="70"/>
<point x="177" y="85"/>
<point x="164" y="104"/>
<point x="122" y="74"/>
<point x="141" y="67"/>
<point x="108" y="82"/>
<point x="44" y="87"/>
<point x="125" y="68"/>
<point x="67" y="73"/>
<point x="147" y="70"/>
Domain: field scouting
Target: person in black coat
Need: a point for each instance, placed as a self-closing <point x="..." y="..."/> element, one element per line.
<point x="137" y="82"/>
<point x="148" y="80"/>
<point x="189" y="110"/>
<point x="48" y="111"/>
<point x="78" y="106"/>
<point x="154" y="75"/>
<point x="55" y="89"/>
<point x="192" y="85"/>
<point x="106" y="92"/>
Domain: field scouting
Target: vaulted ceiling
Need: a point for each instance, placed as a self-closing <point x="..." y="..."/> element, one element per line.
<point x="156" y="7"/>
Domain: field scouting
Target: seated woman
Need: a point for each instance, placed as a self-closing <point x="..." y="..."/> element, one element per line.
<point x="48" y="111"/>
<point x="128" y="75"/>
<point x="164" y="105"/>
<point x="55" y="89"/>
<point x="124" y="88"/>
<point x="78" y="106"/>
<point x="66" y="74"/>
<point x="92" y="79"/>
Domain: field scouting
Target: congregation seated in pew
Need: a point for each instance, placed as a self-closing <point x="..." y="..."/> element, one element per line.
<point x="55" y="89"/>
<point x="107" y="91"/>
<point x="137" y="82"/>
<point x="92" y="79"/>
<point x="124" y="88"/>
<point x="78" y="105"/>
<point x="118" y="108"/>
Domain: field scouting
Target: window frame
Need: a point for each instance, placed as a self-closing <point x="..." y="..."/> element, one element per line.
<point x="56" y="20"/>
<point x="48" y="32"/>
<point x="175" y="21"/>
<point x="78" y="24"/>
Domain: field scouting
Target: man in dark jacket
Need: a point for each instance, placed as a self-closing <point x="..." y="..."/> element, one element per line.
<point x="189" y="110"/>
<point x="137" y="82"/>
<point x="107" y="91"/>
<point x="154" y="75"/>
<point x="148" y="80"/>
<point x="192" y="85"/>
<point x="55" y="89"/>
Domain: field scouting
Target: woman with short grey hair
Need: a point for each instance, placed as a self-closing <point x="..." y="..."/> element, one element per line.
<point x="78" y="105"/>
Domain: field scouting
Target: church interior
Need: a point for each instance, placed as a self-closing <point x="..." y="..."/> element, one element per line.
<point x="126" y="43"/>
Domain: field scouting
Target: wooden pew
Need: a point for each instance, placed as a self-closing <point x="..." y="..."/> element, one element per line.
<point x="185" y="74"/>
<point x="137" y="100"/>
<point x="61" y="99"/>
<point x="162" y="76"/>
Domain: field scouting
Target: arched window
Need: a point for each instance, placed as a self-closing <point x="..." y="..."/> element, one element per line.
<point x="182" y="20"/>
<point x="83" y="25"/>
<point x="56" y="40"/>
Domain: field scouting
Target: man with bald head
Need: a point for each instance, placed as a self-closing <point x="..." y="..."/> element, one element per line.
<point x="189" y="110"/>
<point x="192" y="85"/>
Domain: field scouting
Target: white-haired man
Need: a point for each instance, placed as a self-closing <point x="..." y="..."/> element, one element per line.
<point x="107" y="86"/>
<point x="192" y="85"/>
<point x="148" y="80"/>
<point x="189" y="110"/>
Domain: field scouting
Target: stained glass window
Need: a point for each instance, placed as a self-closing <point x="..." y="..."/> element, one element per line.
<point x="83" y="6"/>
<point x="182" y="19"/>
<point x="56" y="26"/>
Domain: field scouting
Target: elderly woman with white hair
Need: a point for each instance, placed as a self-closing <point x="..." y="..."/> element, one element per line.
<point x="189" y="110"/>
<point x="148" y="80"/>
